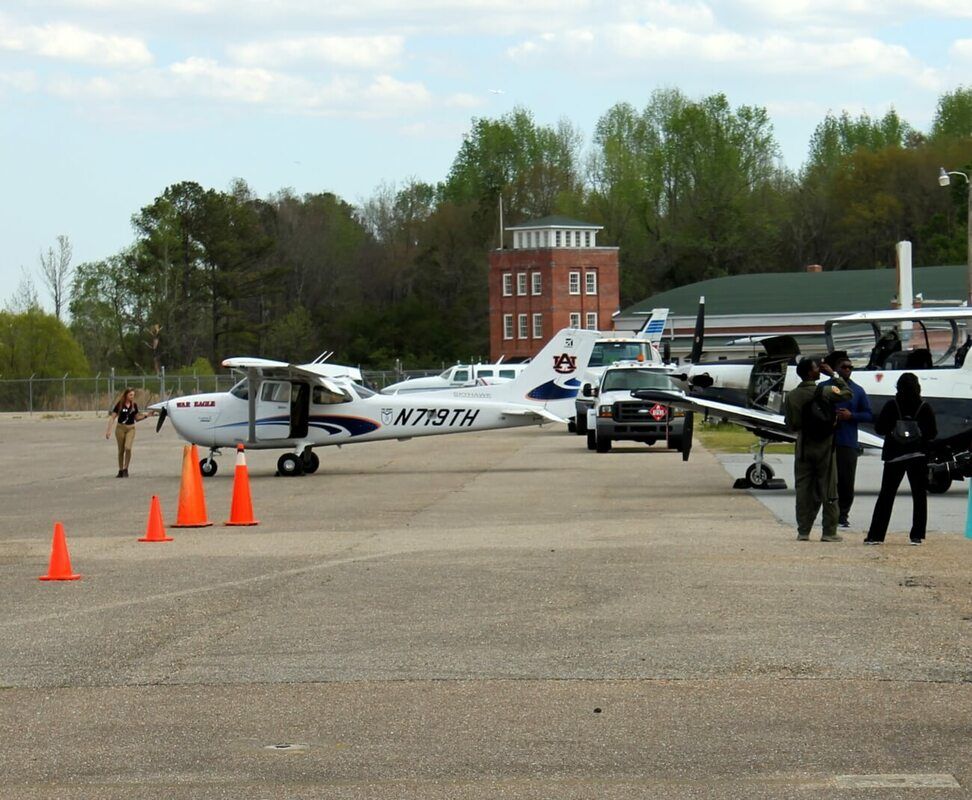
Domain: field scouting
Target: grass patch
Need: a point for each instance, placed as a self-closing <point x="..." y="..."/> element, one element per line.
<point x="725" y="437"/>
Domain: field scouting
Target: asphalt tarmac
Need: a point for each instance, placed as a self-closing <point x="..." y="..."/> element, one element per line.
<point x="503" y="614"/>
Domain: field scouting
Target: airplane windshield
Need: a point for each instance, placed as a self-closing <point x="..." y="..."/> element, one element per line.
<point x="628" y="379"/>
<point x="605" y="353"/>
<point x="363" y="391"/>
<point x="241" y="390"/>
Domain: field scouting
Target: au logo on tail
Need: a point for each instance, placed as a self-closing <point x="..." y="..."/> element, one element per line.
<point x="565" y="364"/>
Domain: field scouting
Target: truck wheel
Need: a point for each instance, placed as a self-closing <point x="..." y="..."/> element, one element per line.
<point x="591" y="441"/>
<point x="603" y="444"/>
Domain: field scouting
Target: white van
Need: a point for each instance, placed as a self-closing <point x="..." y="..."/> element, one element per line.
<point x="458" y="376"/>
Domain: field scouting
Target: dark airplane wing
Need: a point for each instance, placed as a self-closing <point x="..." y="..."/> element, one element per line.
<point x="764" y="424"/>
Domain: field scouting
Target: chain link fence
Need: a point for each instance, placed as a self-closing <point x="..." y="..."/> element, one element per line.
<point x="69" y="394"/>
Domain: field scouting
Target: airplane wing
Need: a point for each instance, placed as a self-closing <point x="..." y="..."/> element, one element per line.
<point x="765" y="424"/>
<point x="540" y="414"/>
<point x="281" y="370"/>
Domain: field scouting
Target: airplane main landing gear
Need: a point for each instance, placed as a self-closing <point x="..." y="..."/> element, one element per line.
<point x="289" y="465"/>
<point x="310" y="461"/>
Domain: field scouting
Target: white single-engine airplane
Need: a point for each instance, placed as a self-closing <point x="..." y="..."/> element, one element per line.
<point x="927" y="342"/>
<point x="300" y="407"/>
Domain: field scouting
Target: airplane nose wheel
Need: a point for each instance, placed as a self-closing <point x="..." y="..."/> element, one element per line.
<point x="208" y="467"/>
<point x="289" y="465"/>
<point x="759" y="475"/>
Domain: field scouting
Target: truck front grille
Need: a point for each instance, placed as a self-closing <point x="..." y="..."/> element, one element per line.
<point x="636" y="412"/>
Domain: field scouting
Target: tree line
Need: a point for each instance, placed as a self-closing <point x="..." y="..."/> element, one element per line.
<point x="688" y="189"/>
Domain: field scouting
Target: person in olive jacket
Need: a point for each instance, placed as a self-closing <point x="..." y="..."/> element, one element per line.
<point x="814" y="462"/>
<point x="902" y="459"/>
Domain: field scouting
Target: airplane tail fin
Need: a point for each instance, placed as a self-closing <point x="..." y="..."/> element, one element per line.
<point x="552" y="378"/>
<point x="697" y="340"/>
<point x="654" y="327"/>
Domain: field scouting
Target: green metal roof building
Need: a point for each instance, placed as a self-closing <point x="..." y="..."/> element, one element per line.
<point x="797" y="303"/>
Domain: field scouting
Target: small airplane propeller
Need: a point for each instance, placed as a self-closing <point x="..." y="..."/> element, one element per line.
<point x="162" y="415"/>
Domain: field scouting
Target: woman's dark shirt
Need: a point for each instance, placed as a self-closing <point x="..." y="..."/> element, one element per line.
<point x="910" y="407"/>
<point x="126" y="414"/>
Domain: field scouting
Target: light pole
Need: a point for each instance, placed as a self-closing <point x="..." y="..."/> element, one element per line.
<point x="945" y="180"/>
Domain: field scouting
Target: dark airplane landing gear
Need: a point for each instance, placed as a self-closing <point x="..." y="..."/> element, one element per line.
<point x="310" y="461"/>
<point x="759" y="474"/>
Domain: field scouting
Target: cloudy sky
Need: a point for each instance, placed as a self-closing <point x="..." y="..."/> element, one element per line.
<point x="106" y="102"/>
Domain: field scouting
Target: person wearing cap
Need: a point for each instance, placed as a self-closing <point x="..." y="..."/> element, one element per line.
<point x="850" y="414"/>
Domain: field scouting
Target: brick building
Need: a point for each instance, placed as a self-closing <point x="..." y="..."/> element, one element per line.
<point x="555" y="276"/>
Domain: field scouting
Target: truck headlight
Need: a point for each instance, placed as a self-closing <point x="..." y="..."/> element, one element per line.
<point x="605" y="411"/>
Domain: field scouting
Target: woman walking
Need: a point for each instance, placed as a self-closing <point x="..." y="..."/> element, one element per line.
<point x="907" y="424"/>
<point x="127" y="413"/>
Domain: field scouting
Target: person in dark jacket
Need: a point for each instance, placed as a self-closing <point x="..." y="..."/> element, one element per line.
<point x="814" y="468"/>
<point x="850" y="414"/>
<point x="901" y="459"/>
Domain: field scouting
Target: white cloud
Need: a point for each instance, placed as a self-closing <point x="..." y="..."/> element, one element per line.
<point x="69" y="42"/>
<point x="863" y="57"/>
<point x="348" y="52"/>
<point x="962" y="49"/>
<point x="207" y="80"/>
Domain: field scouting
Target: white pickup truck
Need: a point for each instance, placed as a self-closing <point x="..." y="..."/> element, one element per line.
<point x="608" y="351"/>
<point x="616" y="415"/>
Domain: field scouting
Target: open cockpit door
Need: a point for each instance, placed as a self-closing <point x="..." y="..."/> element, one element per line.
<point x="767" y="379"/>
<point x="273" y="410"/>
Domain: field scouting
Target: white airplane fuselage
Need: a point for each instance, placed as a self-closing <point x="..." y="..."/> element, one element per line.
<point x="221" y="419"/>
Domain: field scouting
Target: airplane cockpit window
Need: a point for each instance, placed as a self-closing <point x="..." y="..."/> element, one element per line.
<point x="461" y="376"/>
<point x="241" y="390"/>
<point x="446" y="374"/>
<point x="322" y="396"/>
<point x="363" y="391"/>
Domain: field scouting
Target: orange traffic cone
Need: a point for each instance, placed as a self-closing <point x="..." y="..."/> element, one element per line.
<point x="241" y="510"/>
<point x="155" y="530"/>
<point x="192" y="501"/>
<point x="60" y="566"/>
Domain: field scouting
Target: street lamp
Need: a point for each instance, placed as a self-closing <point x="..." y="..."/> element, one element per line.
<point x="945" y="180"/>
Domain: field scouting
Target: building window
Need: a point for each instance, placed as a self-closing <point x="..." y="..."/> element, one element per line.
<point x="573" y="283"/>
<point x="507" y="326"/>
<point x="577" y="239"/>
<point x="538" y="326"/>
<point x="524" y="327"/>
<point x="507" y="284"/>
<point x="574" y="320"/>
<point x="537" y="287"/>
<point x="590" y="282"/>
<point x="587" y="238"/>
<point x="556" y="238"/>
<point x="521" y="283"/>
<point x="591" y="320"/>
